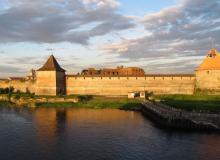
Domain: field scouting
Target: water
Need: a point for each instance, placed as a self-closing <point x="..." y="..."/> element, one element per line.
<point x="86" y="134"/>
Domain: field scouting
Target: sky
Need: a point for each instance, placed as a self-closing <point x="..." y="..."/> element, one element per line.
<point x="160" y="36"/>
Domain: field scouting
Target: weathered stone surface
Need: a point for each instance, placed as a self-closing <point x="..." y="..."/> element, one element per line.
<point x="123" y="85"/>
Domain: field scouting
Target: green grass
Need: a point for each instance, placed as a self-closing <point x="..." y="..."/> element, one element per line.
<point x="4" y="104"/>
<point x="61" y="96"/>
<point x="29" y="95"/>
<point x="209" y="103"/>
<point x="87" y="101"/>
<point x="99" y="103"/>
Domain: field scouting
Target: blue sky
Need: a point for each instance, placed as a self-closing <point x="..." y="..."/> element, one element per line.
<point x="142" y="7"/>
<point x="161" y="36"/>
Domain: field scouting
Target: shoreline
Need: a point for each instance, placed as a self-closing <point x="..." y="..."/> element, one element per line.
<point x="79" y="102"/>
<point x="171" y="118"/>
<point x="160" y="114"/>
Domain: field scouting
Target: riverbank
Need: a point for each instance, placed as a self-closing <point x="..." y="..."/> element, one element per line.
<point x="191" y="103"/>
<point x="180" y="116"/>
<point x="100" y="103"/>
<point x="94" y="102"/>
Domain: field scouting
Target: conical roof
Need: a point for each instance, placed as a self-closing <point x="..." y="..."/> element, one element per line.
<point x="51" y="65"/>
<point x="211" y="62"/>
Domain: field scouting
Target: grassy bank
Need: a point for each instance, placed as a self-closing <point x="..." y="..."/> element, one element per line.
<point x="4" y="104"/>
<point x="99" y="103"/>
<point x="85" y="101"/>
<point x="209" y="103"/>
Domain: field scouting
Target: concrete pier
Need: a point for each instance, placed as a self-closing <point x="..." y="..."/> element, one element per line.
<point x="174" y="118"/>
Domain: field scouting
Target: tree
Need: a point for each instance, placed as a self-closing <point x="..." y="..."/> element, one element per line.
<point x="10" y="91"/>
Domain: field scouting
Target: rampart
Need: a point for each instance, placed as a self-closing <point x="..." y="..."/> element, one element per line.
<point x="118" y="86"/>
<point x="23" y="86"/>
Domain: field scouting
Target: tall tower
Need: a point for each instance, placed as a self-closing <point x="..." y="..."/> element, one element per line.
<point x="208" y="73"/>
<point x="51" y="78"/>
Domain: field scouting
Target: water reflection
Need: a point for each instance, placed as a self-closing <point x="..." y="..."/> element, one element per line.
<point x="68" y="133"/>
<point x="209" y="147"/>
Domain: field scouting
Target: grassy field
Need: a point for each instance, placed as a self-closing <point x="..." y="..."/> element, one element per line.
<point x="209" y="103"/>
<point x="99" y="103"/>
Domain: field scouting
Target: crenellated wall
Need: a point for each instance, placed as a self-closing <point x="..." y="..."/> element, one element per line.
<point x="116" y="86"/>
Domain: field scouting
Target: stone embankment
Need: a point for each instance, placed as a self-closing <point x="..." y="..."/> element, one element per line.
<point x="26" y="101"/>
<point x="174" y="118"/>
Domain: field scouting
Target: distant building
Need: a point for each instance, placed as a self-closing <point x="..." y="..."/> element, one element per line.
<point x="90" y="72"/>
<point x="119" y="71"/>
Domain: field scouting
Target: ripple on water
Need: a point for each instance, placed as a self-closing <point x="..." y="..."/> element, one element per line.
<point x="49" y="133"/>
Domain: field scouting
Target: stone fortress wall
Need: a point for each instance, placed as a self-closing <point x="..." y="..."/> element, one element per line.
<point x="52" y="80"/>
<point x="23" y="86"/>
<point x="116" y="86"/>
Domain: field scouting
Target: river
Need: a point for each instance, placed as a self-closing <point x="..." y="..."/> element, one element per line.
<point x="96" y="134"/>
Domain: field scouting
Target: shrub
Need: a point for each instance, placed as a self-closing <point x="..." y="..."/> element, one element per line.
<point x="11" y="89"/>
<point x="2" y="91"/>
<point x="83" y="98"/>
<point x="18" y="96"/>
<point x="32" y="95"/>
<point x="6" y="90"/>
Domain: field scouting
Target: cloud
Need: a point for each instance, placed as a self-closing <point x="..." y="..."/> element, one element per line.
<point x="103" y="3"/>
<point x="184" y="30"/>
<point x="8" y="69"/>
<point x="173" y="39"/>
<point x="2" y="52"/>
<point x="46" y="21"/>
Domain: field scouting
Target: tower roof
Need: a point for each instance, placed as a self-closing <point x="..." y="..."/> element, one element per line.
<point x="211" y="62"/>
<point x="51" y="65"/>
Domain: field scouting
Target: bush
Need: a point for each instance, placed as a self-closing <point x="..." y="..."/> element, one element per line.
<point x="6" y="90"/>
<point x="83" y="98"/>
<point x="11" y="89"/>
<point x="17" y="96"/>
<point x="32" y="95"/>
<point x="2" y="91"/>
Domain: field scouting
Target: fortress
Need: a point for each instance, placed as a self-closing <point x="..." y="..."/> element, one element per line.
<point x="52" y="80"/>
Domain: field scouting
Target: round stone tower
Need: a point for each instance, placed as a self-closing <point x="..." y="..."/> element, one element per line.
<point x="51" y="78"/>
<point x="208" y="73"/>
